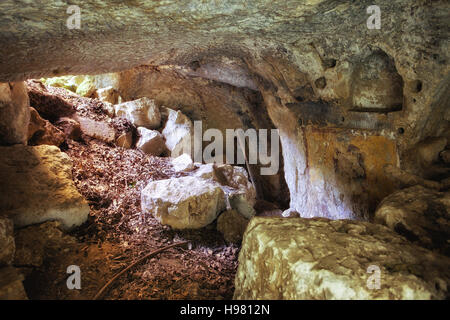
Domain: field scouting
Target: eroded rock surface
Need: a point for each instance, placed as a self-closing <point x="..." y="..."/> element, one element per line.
<point x="125" y="140"/>
<point x="97" y="129"/>
<point x="183" y="163"/>
<point x="108" y="94"/>
<point x="11" y="286"/>
<point x="183" y="203"/>
<point x="239" y="191"/>
<point x="150" y="141"/>
<point x="421" y="215"/>
<point x="329" y="259"/>
<point x="70" y="127"/>
<point x="142" y="113"/>
<point x="178" y="132"/>
<point x="14" y="113"/>
<point x="37" y="186"/>
<point x="41" y="131"/>
<point x="232" y="225"/>
<point x="7" y="243"/>
<point x="35" y="243"/>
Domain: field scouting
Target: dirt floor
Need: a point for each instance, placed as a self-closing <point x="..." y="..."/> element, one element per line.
<point x="117" y="233"/>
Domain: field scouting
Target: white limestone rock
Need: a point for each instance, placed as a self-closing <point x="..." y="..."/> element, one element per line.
<point x="150" y="141"/>
<point x="108" y="94"/>
<point x="183" y="203"/>
<point x="142" y="112"/>
<point x="36" y="185"/>
<point x="178" y="132"/>
<point x="235" y="183"/>
<point x="183" y="163"/>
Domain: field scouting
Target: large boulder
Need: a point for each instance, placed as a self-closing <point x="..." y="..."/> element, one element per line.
<point x="7" y="244"/>
<point x="183" y="203"/>
<point x="178" y="133"/>
<point x="150" y="142"/>
<point x="36" y="185"/>
<point x="14" y="113"/>
<point x="142" y="113"/>
<point x="318" y="258"/>
<point x="419" y="214"/>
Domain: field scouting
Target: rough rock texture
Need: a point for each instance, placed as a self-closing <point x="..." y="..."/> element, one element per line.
<point x="232" y="225"/>
<point x="35" y="242"/>
<point x="445" y="156"/>
<point x="36" y="123"/>
<point x="178" y="133"/>
<point x="7" y="243"/>
<point x="11" y="287"/>
<point x="239" y="191"/>
<point x="419" y="214"/>
<point x="70" y="127"/>
<point x="108" y="94"/>
<point x="404" y="179"/>
<point x="183" y="203"/>
<point x="150" y="141"/>
<point x="290" y="213"/>
<point x="424" y="154"/>
<point x="97" y="129"/>
<point x="37" y="186"/>
<point x="86" y="88"/>
<point x="183" y="163"/>
<point x="329" y="259"/>
<point x="125" y="140"/>
<point x="142" y="113"/>
<point x="14" y="113"/>
<point x="41" y="131"/>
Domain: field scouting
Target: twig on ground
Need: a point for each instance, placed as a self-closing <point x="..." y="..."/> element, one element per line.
<point x="153" y="253"/>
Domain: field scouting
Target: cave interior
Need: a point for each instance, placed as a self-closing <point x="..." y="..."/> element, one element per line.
<point x="235" y="150"/>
